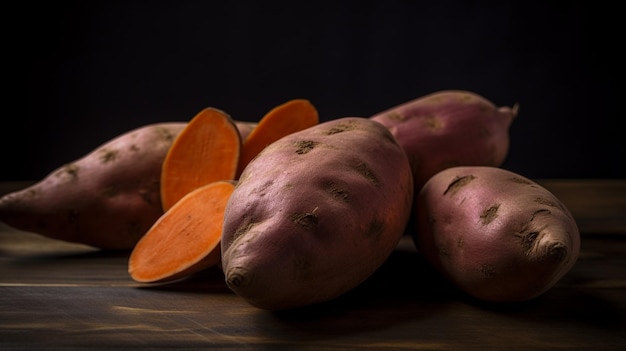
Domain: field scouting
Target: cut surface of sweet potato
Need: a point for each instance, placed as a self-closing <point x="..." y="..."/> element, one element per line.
<point x="185" y="239"/>
<point x="290" y="117"/>
<point x="207" y="150"/>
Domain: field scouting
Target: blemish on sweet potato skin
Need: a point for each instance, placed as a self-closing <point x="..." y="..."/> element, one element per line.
<point x="366" y="172"/>
<point x="71" y="170"/>
<point x="165" y="134"/>
<point x="489" y="214"/>
<point x="340" y="128"/>
<point x="457" y="184"/>
<point x="337" y="191"/>
<point x="432" y="122"/>
<point x="244" y="229"/>
<point x="519" y="180"/>
<point x="306" y="220"/>
<point x="108" y="155"/>
<point x="305" y="146"/>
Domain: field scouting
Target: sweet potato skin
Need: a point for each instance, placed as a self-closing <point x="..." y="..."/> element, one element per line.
<point x="106" y="199"/>
<point x="315" y="213"/>
<point x="494" y="234"/>
<point x="449" y="128"/>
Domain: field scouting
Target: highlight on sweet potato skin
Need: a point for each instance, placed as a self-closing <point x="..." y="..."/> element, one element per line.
<point x="494" y="234"/>
<point x="315" y="213"/>
<point x="106" y="199"/>
<point x="449" y="128"/>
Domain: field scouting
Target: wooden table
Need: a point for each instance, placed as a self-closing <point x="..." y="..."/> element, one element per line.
<point x="59" y="295"/>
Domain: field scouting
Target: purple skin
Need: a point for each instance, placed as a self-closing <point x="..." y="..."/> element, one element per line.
<point x="449" y="128"/>
<point x="315" y="214"/>
<point x="494" y="234"/>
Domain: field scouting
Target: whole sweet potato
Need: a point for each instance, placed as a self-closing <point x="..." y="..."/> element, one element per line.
<point x="449" y="128"/>
<point x="315" y="214"/>
<point x="106" y="199"/>
<point x="494" y="234"/>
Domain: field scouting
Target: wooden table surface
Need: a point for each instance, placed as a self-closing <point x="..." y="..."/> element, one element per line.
<point x="59" y="295"/>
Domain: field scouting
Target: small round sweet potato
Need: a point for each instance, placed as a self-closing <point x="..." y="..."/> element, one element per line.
<point x="316" y="213"/>
<point x="494" y="234"/>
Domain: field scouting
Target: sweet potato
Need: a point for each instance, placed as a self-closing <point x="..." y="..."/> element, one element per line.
<point x="494" y="234"/>
<point x="449" y="128"/>
<point x="315" y="214"/>
<point x="207" y="150"/>
<point x="106" y="199"/>
<point x="289" y="117"/>
<point x="185" y="239"/>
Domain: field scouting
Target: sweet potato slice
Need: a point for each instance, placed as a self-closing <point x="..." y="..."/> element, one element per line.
<point x="185" y="239"/>
<point x="290" y="117"/>
<point x="207" y="150"/>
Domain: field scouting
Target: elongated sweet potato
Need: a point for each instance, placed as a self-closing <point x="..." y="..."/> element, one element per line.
<point x="449" y="128"/>
<point x="494" y="234"/>
<point x="316" y="213"/>
<point x="185" y="239"/>
<point x="106" y="199"/>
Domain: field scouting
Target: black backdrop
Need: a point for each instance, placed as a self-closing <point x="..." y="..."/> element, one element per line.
<point x="82" y="72"/>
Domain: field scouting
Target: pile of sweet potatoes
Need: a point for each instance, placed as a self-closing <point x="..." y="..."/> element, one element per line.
<point x="295" y="212"/>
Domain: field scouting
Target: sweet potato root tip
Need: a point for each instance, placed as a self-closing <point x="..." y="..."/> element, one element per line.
<point x="238" y="277"/>
<point x="186" y="239"/>
<point x="557" y="251"/>
<point x="207" y="150"/>
<point x="290" y="117"/>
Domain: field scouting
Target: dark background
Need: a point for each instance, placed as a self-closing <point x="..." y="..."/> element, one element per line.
<point x="79" y="73"/>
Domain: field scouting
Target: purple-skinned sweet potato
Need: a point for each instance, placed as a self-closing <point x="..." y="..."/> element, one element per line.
<point x="108" y="198"/>
<point x="449" y="128"/>
<point x="494" y="234"/>
<point x="315" y="214"/>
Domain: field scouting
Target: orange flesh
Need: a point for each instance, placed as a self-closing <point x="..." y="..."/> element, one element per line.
<point x="184" y="240"/>
<point x="293" y="116"/>
<point x="207" y="150"/>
